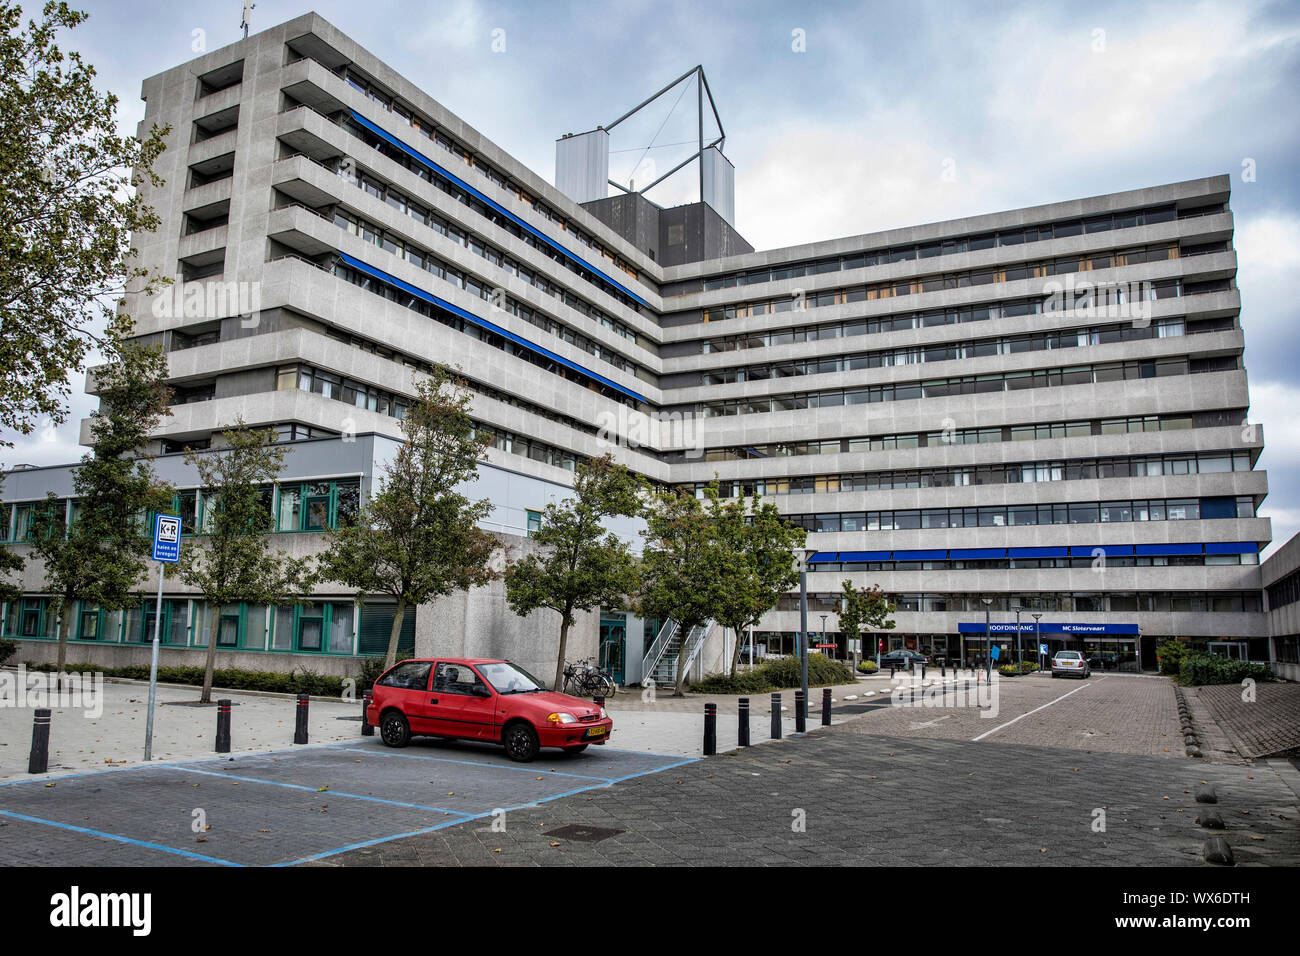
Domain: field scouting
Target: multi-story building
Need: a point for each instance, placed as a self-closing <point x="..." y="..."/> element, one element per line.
<point x="1044" y="408"/>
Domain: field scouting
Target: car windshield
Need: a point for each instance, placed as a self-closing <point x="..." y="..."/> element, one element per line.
<point x="507" y="678"/>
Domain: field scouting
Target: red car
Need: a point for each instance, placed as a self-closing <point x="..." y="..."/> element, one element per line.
<point x="472" y="699"/>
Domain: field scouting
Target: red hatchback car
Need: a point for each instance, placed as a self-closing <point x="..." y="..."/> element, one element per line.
<point x="472" y="699"/>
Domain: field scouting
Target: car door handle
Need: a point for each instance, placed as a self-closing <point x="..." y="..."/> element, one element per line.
<point x="433" y="700"/>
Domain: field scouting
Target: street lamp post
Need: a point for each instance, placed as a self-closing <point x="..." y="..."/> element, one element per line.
<point x="823" y="617"/>
<point x="988" y="635"/>
<point x="1038" y="638"/>
<point x="1019" y="653"/>
<point x="802" y="644"/>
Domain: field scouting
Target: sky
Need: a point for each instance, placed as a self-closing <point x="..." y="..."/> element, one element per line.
<point x="845" y="118"/>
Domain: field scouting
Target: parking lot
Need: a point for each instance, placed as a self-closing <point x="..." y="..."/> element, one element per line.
<point x="292" y="806"/>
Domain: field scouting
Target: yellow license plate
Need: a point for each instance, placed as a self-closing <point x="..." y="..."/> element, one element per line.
<point x="596" y="732"/>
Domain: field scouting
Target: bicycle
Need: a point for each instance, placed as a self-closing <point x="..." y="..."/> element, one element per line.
<point x="584" y="679"/>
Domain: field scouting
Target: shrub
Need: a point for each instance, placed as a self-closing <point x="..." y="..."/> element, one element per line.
<point x="867" y="667"/>
<point x="1170" y="654"/>
<point x="7" y="649"/>
<point x="777" y="674"/>
<point x="1199" y="668"/>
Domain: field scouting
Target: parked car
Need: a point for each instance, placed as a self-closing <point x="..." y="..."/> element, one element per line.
<point x="491" y="700"/>
<point x="1070" y="664"/>
<point x="902" y="659"/>
<point x="1104" y="661"/>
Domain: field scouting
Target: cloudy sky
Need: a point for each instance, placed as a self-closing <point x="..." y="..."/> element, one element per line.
<point x="842" y="118"/>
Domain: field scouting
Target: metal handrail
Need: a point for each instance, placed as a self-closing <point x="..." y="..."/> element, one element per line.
<point x="655" y="654"/>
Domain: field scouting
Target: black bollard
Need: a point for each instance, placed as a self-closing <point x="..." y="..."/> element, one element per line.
<point x="826" y="706"/>
<point x="223" y="726"/>
<point x="891" y="671"/>
<point x="776" y="717"/>
<point x="300" y="724"/>
<point x="742" y="729"/>
<point x="922" y="670"/>
<point x="598" y="700"/>
<point x="367" y="728"/>
<point x="800" y="715"/>
<point x="943" y="667"/>
<point x="710" y="729"/>
<point x="39" y="759"/>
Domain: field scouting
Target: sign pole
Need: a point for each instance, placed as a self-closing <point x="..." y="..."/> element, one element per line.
<point x="153" y="665"/>
<point x="166" y="550"/>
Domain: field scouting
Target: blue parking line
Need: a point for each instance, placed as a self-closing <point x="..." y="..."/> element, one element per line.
<point x="671" y="766"/>
<point x="377" y="840"/>
<point x="119" y="838"/>
<point x="334" y="793"/>
<point x="476" y="763"/>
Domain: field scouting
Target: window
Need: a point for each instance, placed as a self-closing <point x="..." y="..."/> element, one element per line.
<point x="534" y="522"/>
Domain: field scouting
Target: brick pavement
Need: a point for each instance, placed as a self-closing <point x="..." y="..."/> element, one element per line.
<point x="881" y="800"/>
<point x="1268" y="725"/>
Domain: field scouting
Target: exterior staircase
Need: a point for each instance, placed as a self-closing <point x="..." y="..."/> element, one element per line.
<point x="660" y="661"/>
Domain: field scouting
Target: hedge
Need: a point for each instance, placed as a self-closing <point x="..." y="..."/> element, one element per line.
<point x="778" y="674"/>
<point x="1198" y="667"/>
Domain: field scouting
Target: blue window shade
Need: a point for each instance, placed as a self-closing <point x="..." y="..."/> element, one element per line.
<point x="1110" y="550"/>
<point x="974" y="554"/>
<point x="1166" y="550"/>
<point x="482" y="323"/>
<point x="1039" y="552"/>
<point x="920" y="555"/>
<point x="1231" y="547"/>
<point x="864" y="555"/>
<point x="1218" y="507"/>
<point x="822" y="557"/>
<point x="497" y="207"/>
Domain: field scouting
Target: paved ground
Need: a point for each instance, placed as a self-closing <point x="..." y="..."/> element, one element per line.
<point x="872" y="800"/>
<point x="1268" y="724"/>
<point x="280" y="808"/>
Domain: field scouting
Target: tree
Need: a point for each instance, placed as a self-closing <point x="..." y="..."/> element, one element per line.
<point x="95" y="550"/>
<point x="231" y="559"/>
<point x="576" y="568"/>
<point x="418" y="538"/>
<point x="10" y="563"/>
<point x="68" y="207"/>
<point x="761" y="562"/>
<point x="684" y="567"/>
<point x="863" y="609"/>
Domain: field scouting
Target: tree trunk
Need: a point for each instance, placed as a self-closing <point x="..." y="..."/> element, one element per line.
<point x="565" y="624"/>
<point x="735" y="651"/>
<point x="214" y="622"/>
<point x="395" y="634"/>
<point x="65" y="630"/>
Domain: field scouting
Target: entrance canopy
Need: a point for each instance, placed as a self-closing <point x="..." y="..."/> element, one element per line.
<point x="1051" y="627"/>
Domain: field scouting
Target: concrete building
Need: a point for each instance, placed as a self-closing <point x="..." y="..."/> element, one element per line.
<point x="1043" y="409"/>
<point x="1281" y="574"/>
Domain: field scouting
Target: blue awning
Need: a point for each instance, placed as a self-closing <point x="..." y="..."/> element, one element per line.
<point x="1109" y="550"/>
<point x="864" y="555"/>
<point x="482" y="323"/>
<point x="1231" y="547"/>
<point x="920" y="555"/>
<point x="822" y="557"/>
<point x="1162" y="550"/>
<point x="973" y="554"/>
<point x="1038" y="552"/>
<point x="493" y="204"/>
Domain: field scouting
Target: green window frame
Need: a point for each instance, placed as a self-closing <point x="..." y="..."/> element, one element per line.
<point x="534" y="521"/>
<point x="317" y="624"/>
<point x="315" y="505"/>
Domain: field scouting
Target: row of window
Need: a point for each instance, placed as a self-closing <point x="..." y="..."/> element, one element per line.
<point x="404" y="204"/>
<point x="1100" y="601"/>
<point x="1285" y="591"/>
<point x="456" y="192"/>
<point x="941" y="247"/>
<point x="947" y="351"/>
<point x="472" y="284"/>
<point x="940" y="282"/>
<point x="973" y="436"/>
<point x="962" y="476"/>
<point x="453" y="321"/>
<point x="426" y="128"/>
<point x="324" y="627"/>
<point x="329" y="385"/>
<point x="1003" y="564"/>
<point x="964" y="385"/>
<point x="1015" y="516"/>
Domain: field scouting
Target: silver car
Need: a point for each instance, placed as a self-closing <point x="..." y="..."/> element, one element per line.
<point x="1071" y="664"/>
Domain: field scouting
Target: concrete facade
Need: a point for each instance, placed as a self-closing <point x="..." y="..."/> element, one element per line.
<point x="341" y="232"/>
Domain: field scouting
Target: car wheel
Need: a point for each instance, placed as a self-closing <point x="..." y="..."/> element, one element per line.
<point x="574" y="751"/>
<point x="394" y="730"/>
<point x="521" y="742"/>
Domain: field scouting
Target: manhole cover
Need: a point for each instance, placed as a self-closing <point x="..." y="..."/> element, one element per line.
<point x="575" y="831"/>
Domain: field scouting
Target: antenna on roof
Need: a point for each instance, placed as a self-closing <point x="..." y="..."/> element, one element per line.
<point x="247" y="16"/>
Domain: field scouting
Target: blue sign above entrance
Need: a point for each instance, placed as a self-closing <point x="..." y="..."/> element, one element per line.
<point x="1050" y="627"/>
